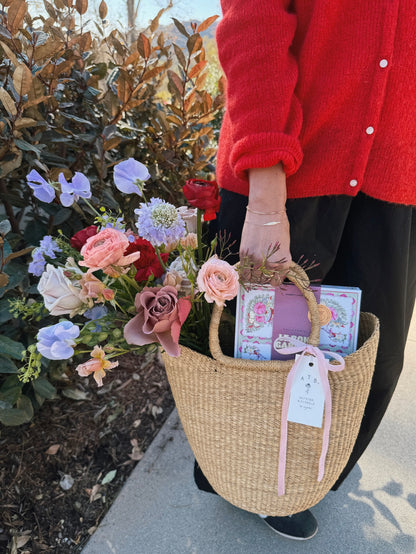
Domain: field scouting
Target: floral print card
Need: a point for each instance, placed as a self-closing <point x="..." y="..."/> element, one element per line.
<point x="268" y="317"/>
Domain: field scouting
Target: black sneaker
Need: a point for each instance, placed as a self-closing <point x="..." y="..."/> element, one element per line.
<point x="301" y="526"/>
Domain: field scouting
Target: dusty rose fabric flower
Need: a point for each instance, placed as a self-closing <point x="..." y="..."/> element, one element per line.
<point x="91" y="287"/>
<point x="97" y="365"/>
<point x="105" y="251"/>
<point x="218" y="280"/>
<point x="160" y="315"/>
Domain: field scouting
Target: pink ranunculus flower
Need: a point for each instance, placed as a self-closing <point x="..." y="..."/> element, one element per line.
<point x="91" y="287"/>
<point x="218" y="280"/>
<point x="105" y="251"/>
<point x="160" y="315"/>
<point x="96" y="365"/>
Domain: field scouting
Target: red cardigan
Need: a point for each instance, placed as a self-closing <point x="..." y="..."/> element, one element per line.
<point x="326" y="87"/>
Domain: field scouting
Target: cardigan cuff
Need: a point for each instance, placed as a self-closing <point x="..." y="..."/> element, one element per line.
<point x="266" y="150"/>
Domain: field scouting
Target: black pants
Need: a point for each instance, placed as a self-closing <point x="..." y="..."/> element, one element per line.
<point x="358" y="242"/>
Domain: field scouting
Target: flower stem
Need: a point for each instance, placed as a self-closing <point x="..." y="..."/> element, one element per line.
<point x="92" y="207"/>
<point x="159" y="257"/>
<point x="199" y="233"/>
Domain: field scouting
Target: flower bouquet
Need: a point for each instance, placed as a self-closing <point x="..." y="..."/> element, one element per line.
<point x="118" y="286"/>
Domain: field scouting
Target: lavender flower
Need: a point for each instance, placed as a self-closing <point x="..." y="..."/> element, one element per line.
<point x="37" y="265"/>
<point x="95" y="314"/>
<point x="159" y="222"/>
<point x="71" y="192"/>
<point x="42" y="190"/>
<point x="47" y="247"/>
<point x="56" y="342"/>
<point x="110" y="222"/>
<point x="129" y="176"/>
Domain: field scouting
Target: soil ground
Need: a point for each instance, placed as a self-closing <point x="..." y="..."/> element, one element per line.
<point x="52" y="495"/>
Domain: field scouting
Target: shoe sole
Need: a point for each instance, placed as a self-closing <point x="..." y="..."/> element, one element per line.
<point x="291" y="537"/>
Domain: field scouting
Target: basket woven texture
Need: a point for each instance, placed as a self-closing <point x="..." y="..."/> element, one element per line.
<point x="231" y="408"/>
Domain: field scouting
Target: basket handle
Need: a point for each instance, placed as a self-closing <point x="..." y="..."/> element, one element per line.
<point x="299" y="278"/>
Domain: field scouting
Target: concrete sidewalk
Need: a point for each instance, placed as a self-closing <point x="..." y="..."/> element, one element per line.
<point x="160" y="510"/>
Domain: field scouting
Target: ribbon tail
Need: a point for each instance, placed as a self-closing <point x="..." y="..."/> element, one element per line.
<point x="323" y="372"/>
<point x="283" y="429"/>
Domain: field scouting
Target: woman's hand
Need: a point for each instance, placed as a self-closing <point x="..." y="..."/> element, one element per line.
<point x="266" y="223"/>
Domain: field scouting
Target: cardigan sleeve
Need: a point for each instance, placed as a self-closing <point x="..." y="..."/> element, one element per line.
<point x="254" y="39"/>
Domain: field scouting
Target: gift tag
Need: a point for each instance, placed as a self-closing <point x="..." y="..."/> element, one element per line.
<point x="307" y="398"/>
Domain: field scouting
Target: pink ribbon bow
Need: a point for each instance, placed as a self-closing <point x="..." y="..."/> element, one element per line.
<point x="324" y="366"/>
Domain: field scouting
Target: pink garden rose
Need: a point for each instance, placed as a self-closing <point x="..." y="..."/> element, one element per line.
<point x="218" y="280"/>
<point x="160" y="315"/>
<point x="105" y="251"/>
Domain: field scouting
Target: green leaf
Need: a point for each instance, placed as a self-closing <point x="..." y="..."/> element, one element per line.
<point x="44" y="388"/>
<point x="7" y="366"/>
<point x="23" y="145"/>
<point x="25" y="404"/>
<point x="5" y="314"/>
<point x="11" y="348"/>
<point x="109" y="477"/>
<point x="11" y="390"/>
<point x="13" y="416"/>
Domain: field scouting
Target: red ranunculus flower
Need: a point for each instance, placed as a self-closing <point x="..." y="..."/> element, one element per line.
<point x="80" y="238"/>
<point x="148" y="262"/>
<point x="203" y="195"/>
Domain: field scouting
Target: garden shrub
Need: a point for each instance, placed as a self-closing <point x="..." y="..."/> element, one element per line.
<point x="76" y="100"/>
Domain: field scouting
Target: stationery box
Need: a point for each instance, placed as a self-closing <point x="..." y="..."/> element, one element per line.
<point x="267" y="317"/>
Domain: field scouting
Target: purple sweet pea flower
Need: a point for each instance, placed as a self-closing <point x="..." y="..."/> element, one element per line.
<point x="56" y="342"/>
<point x="37" y="265"/>
<point x="129" y="176"/>
<point x="71" y="192"/>
<point x="42" y="190"/>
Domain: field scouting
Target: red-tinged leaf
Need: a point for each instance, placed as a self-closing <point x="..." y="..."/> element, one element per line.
<point x="143" y="45"/>
<point x="111" y="143"/>
<point x="50" y="9"/>
<point x="197" y="69"/>
<point x="154" y="72"/>
<point x="81" y="6"/>
<point x="132" y="59"/>
<point x="124" y="87"/>
<point x="176" y="81"/>
<point x="155" y="22"/>
<point x="7" y="101"/>
<point x="207" y="23"/>
<point x="15" y="15"/>
<point x="133" y="104"/>
<point x="22" y="79"/>
<point x="194" y="44"/>
<point x="103" y="10"/>
<point x="180" y="55"/>
<point x="221" y="85"/>
<point x="180" y="27"/>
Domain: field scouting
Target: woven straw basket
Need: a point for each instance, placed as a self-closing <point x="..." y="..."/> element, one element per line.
<point x="230" y="410"/>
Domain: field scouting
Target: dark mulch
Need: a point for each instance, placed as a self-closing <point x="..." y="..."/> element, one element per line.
<point x="85" y="440"/>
